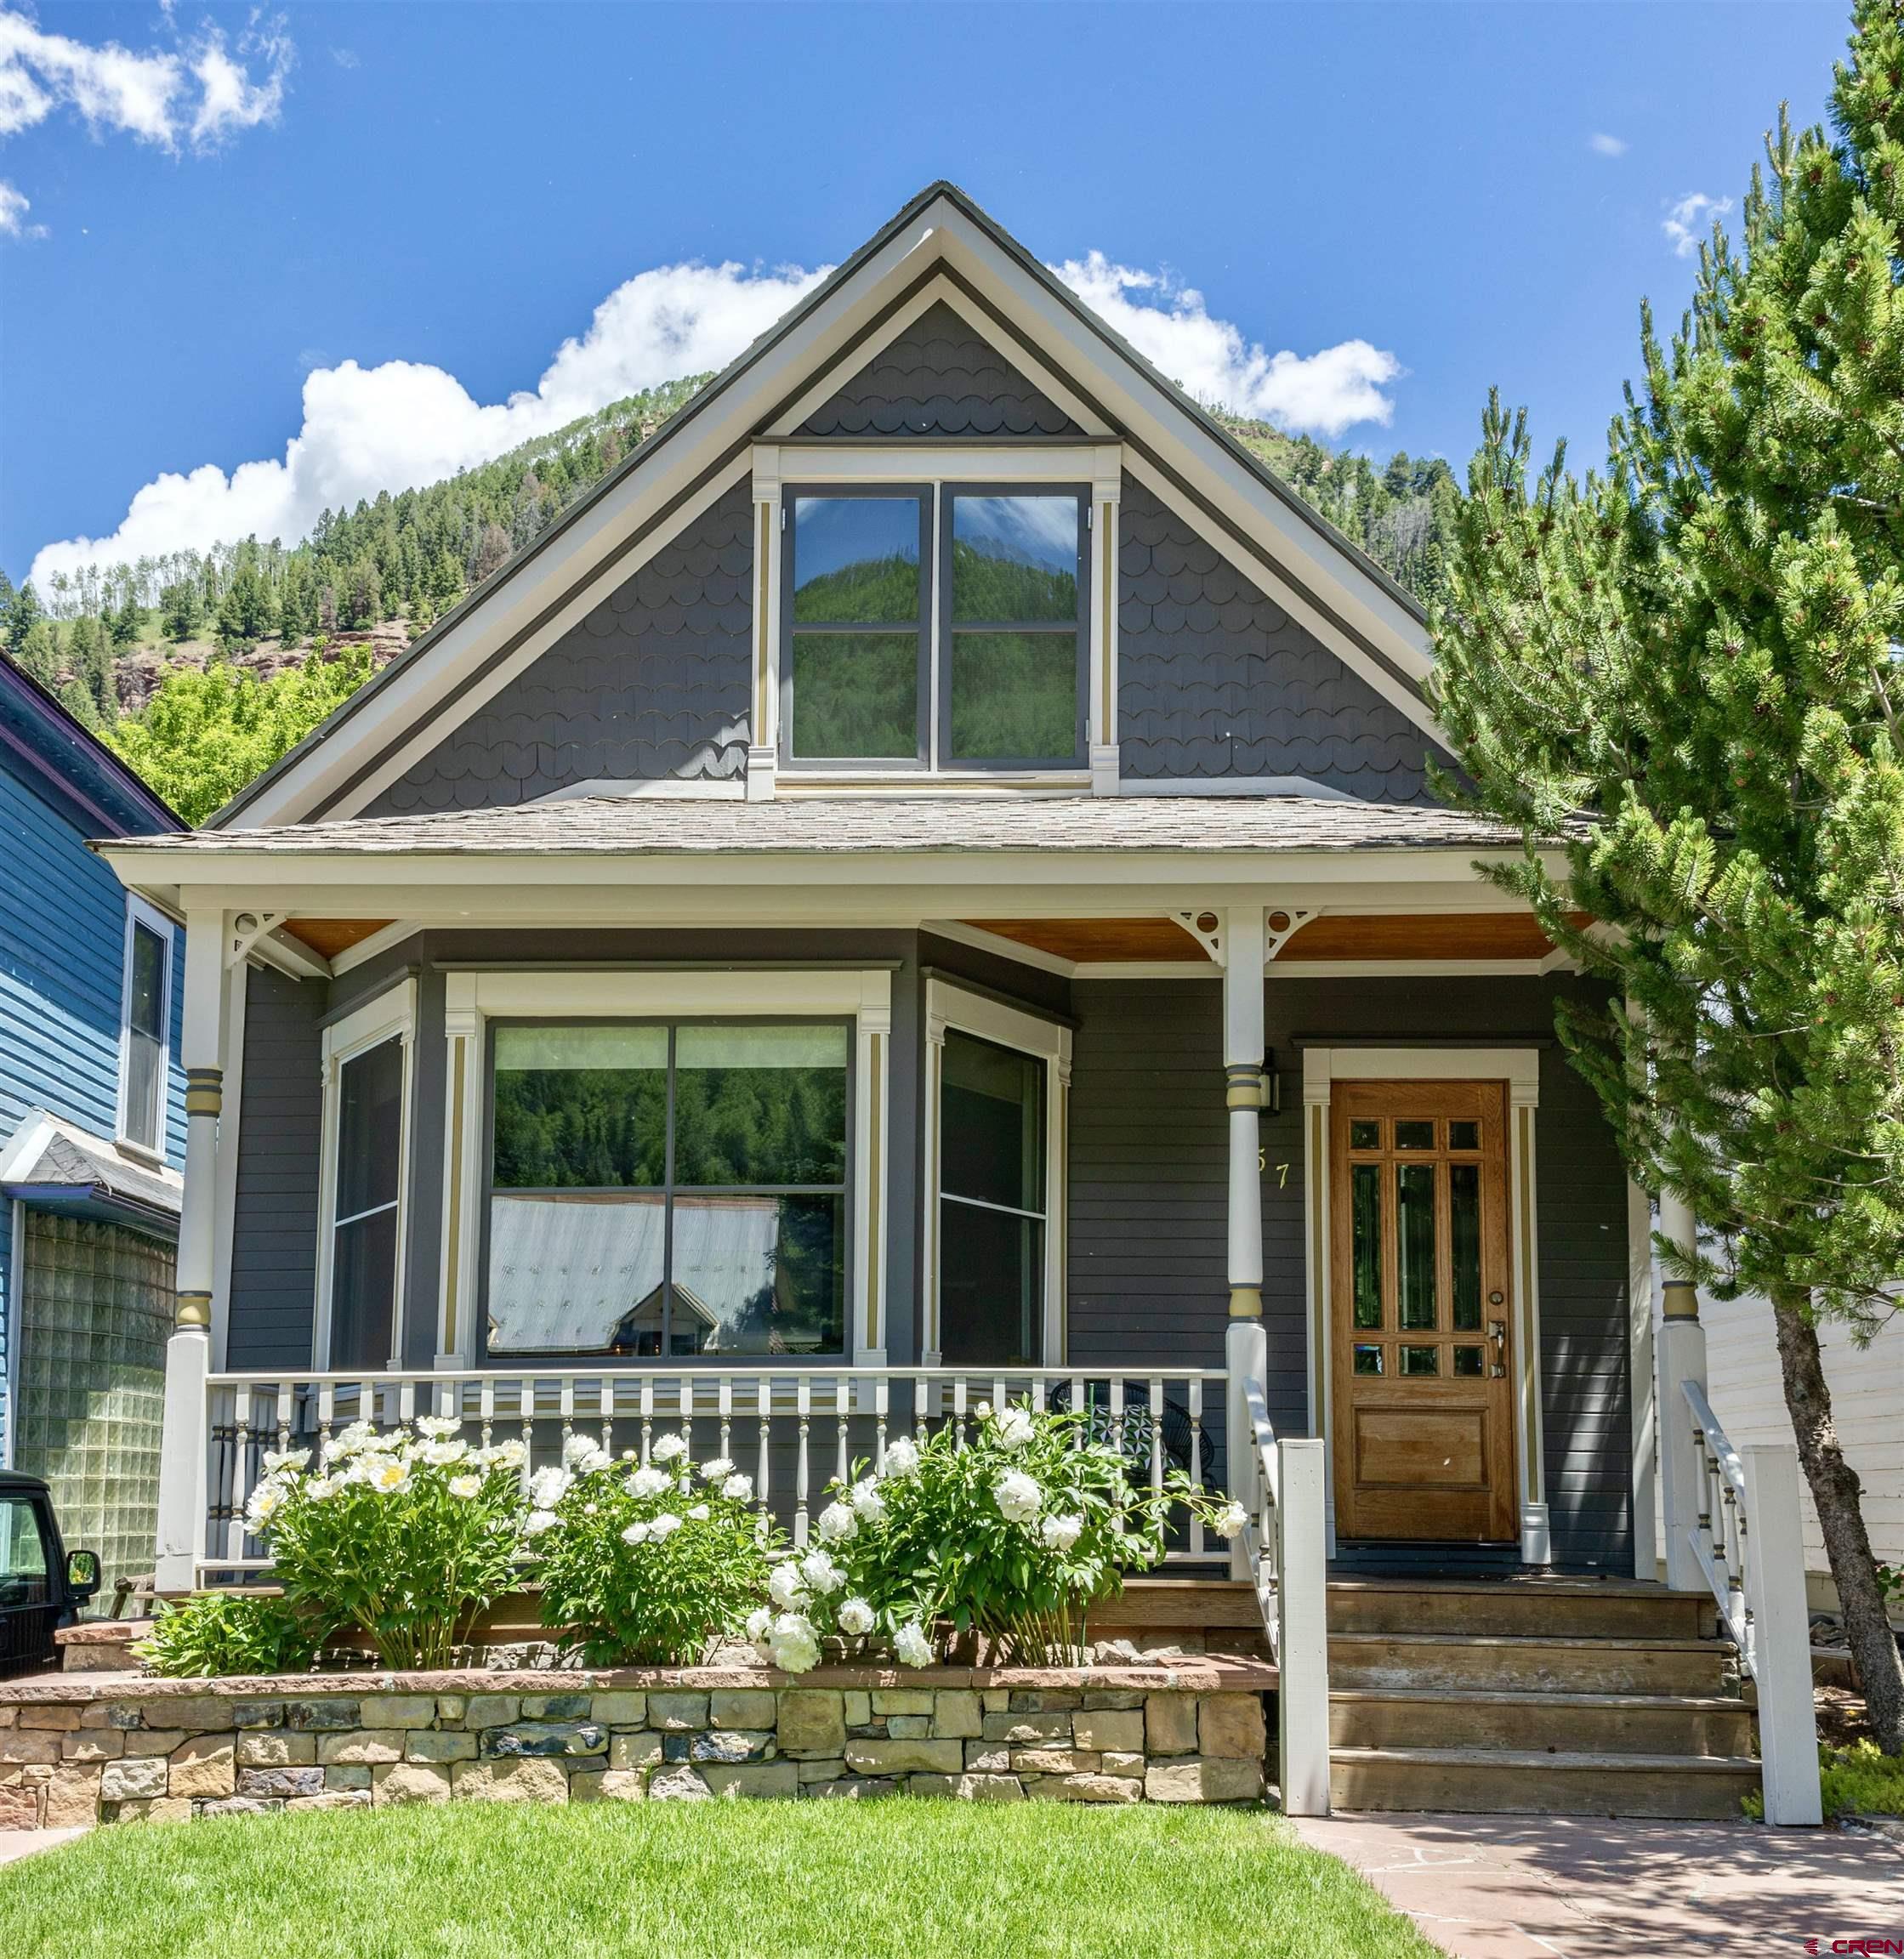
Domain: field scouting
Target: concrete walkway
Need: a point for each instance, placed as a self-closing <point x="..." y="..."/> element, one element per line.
<point x="16" y="1843"/>
<point x="1581" y="1888"/>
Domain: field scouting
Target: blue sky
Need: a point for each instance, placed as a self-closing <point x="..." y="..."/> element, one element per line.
<point x="1409" y="202"/>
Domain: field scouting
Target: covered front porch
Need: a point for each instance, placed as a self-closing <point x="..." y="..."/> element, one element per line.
<point x="591" y="1115"/>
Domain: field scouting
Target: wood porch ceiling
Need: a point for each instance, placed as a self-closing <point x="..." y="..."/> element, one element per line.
<point x="1465" y="935"/>
<point x="328" y="937"/>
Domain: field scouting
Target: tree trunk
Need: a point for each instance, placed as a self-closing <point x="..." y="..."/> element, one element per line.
<point x="1835" y="1493"/>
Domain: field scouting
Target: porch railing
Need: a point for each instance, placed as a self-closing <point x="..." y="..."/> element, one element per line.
<point x="1748" y="1540"/>
<point x="792" y="1429"/>
<point x="1283" y="1549"/>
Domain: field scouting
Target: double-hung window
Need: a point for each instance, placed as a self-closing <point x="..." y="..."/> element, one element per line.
<point x="661" y="1190"/>
<point x="145" y="1043"/>
<point x="941" y="626"/>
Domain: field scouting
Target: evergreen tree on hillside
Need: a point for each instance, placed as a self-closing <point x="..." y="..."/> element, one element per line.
<point x="1700" y="652"/>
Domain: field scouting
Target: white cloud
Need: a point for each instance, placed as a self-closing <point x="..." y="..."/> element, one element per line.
<point x="1602" y="145"/>
<point x="149" y="96"/>
<point x="1168" y="324"/>
<point x="1687" y="221"/>
<point x="13" y="208"/>
<point x="403" y="424"/>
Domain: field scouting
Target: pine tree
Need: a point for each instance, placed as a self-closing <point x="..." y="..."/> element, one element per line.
<point x="1687" y="672"/>
<point x="180" y="611"/>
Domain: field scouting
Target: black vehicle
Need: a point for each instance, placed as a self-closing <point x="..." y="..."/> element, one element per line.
<point x="42" y="1587"/>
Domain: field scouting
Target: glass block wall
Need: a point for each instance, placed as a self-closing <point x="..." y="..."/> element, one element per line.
<point x="96" y="1310"/>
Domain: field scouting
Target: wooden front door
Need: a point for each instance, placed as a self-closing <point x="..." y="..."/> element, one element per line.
<point x="1422" y="1357"/>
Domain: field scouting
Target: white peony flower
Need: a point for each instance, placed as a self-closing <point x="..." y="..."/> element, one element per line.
<point x="466" y="1485"/>
<point x="1061" y="1533"/>
<point x="636" y="1533"/>
<point x="822" y="1573"/>
<point x="792" y="1644"/>
<point x="538" y="1521"/>
<point x="266" y="1500"/>
<point x="548" y="1487"/>
<point x="281" y="1459"/>
<point x="700" y="1513"/>
<point x="583" y="1455"/>
<point x="664" y="1526"/>
<point x="1014" y="1427"/>
<point x="785" y="1585"/>
<point x="982" y="1410"/>
<point x="758" y="1621"/>
<point x="902" y="1457"/>
<point x="668" y="1447"/>
<point x="1231" y="1520"/>
<point x="387" y="1475"/>
<point x="913" y="1645"/>
<point x="721" y="1466"/>
<point x="868" y="1505"/>
<point x="438" y="1428"/>
<point x="647" y="1483"/>
<point x="738" y="1489"/>
<point x="1018" y="1496"/>
<point x="319" y="1487"/>
<point x="837" y="1523"/>
<point x="508" y="1454"/>
<point x="441" y="1455"/>
<point x="352" y="1440"/>
<point x="856" y="1618"/>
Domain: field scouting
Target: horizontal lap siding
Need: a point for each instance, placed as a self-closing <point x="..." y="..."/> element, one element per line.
<point x="274" y="1240"/>
<point x="1149" y="1174"/>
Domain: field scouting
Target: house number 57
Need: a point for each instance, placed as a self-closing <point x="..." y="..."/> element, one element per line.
<point x="1281" y="1169"/>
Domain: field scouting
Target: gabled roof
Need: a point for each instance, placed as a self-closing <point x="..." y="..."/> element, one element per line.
<point x="54" y="1164"/>
<point x="68" y="765"/>
<point x="1334" y="588"/>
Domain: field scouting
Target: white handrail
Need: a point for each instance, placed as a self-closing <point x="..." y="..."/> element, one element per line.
<point x="1748" y="1541"/>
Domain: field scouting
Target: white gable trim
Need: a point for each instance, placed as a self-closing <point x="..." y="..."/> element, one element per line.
<point x="369" y="742"/>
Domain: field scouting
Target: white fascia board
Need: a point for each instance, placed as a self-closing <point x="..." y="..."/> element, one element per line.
<point x="412" y="695"/>
<point x="1154" y="415"/>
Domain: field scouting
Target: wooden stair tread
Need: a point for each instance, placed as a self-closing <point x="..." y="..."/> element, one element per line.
<point x="1523" y="1641"/>
<point x="1521" y="1586"/>
<point x="1495" y="1759"/>
<point x="1507" y="1697"/>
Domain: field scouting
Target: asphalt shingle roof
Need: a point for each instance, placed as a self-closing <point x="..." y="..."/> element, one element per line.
<point x="635" y="826"/>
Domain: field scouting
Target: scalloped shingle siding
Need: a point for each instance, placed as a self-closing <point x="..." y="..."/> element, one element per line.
<point x="1214" y="679"/>
<point x="939" y="379"/>
<point x="653" y="683"/>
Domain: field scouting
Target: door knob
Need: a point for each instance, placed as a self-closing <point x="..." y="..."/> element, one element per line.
<point x="1497" y="1333"/>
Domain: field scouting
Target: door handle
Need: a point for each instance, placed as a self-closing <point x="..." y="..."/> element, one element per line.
<point x="1497" y="1333"/>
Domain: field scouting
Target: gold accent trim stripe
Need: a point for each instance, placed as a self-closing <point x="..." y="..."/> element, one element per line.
<point x="194" y="1310"/>
<point x="1245" y="1303"/>
<point x="205" y="1099"/>
<point x="1678" y="1299"/>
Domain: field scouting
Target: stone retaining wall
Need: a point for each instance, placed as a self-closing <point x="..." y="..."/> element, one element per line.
<point x="116" y="1748"/>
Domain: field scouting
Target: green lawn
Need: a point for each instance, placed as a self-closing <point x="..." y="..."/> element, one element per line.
<point x="895" y="1876"/>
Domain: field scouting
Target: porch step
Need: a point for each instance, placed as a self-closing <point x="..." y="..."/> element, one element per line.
<point x="1635" y="1725"/>
<point x="1194" y="1615"/>
<point x="1523" y="1663"/>
<point x="1518" y="1782"/>
<point x="1583" y="1607"/>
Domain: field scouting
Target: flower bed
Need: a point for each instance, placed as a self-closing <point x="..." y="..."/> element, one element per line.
<point x="119" y="1748"/>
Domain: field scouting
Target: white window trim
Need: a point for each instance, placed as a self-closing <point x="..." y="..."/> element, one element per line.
<point x="471" y="999"/>
<point x="1519" y="1068"/>
<point x="392" y="1015"/>
<point x="1097" y="466"/>
<point x="139" y="913"/>
<point x="949" y="1005"/>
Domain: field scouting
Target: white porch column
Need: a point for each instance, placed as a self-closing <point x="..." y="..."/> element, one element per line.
<point x="181" y="1507"/>
<point x="1245" y="1350"/>
<point x="1682" y="1357"/>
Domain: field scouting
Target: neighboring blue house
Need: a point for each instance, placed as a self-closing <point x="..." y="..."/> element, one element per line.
<point x="92" y="1130"/>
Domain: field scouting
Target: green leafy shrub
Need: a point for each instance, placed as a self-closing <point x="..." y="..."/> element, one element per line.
<point x="224" y="1633"/>
<point x="644" y="1563"/>
<point x="402" y="1537"/>
<point x="1008" y="1535"/>
<point x="1861" y="1780"/>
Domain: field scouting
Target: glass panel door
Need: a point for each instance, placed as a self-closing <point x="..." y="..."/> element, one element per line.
<point x="364" y="1212"/>
<point x="992" y="1204"/>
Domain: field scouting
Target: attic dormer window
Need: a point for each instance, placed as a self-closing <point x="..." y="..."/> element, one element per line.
<point x="935" y="627"/>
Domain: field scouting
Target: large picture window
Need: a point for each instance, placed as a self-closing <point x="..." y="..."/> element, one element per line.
<point x="945" y="628"/>
<point x="668" y="1190"/>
